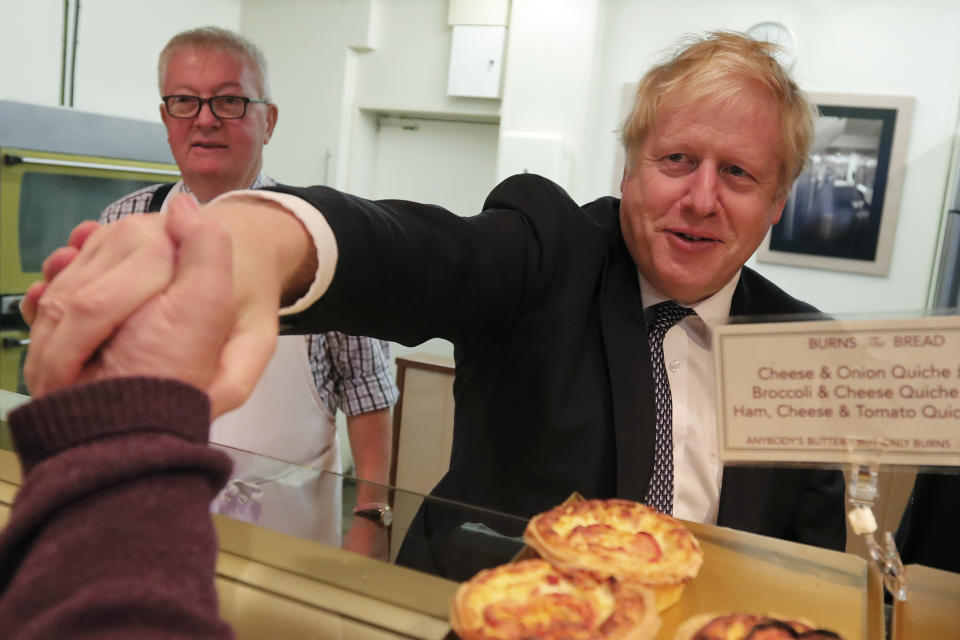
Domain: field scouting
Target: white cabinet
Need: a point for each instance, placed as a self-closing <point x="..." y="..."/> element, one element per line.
<point x="476" y="61"/>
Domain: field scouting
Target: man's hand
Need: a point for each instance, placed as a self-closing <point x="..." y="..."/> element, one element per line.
<point x="54" y="264"/>
<point x="177" y="333"/>
<point x="105" y="274"/>
<point x="92" y="286"/>
<point x="270" y="249"/>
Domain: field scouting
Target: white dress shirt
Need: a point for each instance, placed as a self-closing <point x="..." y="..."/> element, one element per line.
<point x="688" y="358"/>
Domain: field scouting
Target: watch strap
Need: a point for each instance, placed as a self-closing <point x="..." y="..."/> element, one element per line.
<point x="378" y="512"/>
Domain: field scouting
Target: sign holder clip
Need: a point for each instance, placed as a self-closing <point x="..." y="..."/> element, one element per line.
<point x="862" y="493"/>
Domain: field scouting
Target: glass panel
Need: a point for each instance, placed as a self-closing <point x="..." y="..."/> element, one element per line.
<point x="444" y="538"/>
<point x="13" y="352"/>
<point x="5" y="441"/>
<point x="452" y="540"/>
<point x="51" y="204"/>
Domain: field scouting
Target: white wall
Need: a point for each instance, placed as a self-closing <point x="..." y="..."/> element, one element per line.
<point x="308" y="48"/>
<point x="405" y="74"/>
<point x="334" y="63"/>
<point x="31" y="35"/>
<point x="116" y="56"/>
<point x="118" y="45"/>
<point x="407" y="69"/>
<point x="551" y="58"/>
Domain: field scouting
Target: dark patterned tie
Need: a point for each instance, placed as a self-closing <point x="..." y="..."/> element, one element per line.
<point x="660" y="491"/>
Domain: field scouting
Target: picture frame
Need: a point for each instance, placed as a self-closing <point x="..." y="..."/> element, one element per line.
<point x="842" y="211"/>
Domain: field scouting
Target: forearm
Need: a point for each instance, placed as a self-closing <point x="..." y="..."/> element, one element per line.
<point x="371" y="442"/>
<point x="113" y="515"/>
<point x="273" y="250"/>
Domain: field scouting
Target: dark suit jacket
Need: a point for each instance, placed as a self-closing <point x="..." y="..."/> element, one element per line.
<point x="553" y="386"/>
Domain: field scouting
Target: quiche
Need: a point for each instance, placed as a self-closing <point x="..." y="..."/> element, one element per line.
<point x="745" y="626"/>
<point x="532" y="599"/>
<point x="635" y="544"/>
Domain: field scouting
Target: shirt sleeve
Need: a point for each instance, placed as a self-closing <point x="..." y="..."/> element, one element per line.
<point x="136" y="202"/>
<point x="352" y="373"/>
<point x="320" y="232"/>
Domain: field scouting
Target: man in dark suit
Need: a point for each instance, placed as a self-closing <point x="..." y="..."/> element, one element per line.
<point x="550" y="305"/>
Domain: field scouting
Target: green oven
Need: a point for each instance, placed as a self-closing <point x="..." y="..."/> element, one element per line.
<point x="59" y="167"/>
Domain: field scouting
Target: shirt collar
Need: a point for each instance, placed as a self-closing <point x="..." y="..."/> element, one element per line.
<point x="262" y="180"/>
<point x="713" y="310"/>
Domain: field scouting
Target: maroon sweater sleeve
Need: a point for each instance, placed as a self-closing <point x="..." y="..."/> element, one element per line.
<point x="110" y="535"/>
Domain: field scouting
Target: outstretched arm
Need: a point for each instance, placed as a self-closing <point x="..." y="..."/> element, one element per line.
<point x="110" y="535"/>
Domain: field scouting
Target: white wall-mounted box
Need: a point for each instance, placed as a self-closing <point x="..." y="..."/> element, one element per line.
<point x="476" y="61"/>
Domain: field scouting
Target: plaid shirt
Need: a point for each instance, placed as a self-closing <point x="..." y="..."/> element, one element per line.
<point x="352" y="373"/>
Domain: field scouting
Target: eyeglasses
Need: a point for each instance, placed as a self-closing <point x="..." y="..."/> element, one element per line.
<point x="223" y="107"/>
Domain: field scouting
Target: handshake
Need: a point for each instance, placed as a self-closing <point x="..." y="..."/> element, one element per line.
<point x="191" y="295"/>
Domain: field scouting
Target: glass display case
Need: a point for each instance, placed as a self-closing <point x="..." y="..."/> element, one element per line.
<point x="272" y="584"/>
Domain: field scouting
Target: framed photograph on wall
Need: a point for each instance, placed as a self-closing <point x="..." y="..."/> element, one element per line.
<point x="842" y="211"/>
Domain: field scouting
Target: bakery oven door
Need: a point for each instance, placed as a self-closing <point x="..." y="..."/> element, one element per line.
<point x="44" y="195"/>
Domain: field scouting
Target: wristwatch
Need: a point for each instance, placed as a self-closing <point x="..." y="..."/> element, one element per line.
<point x="379" y="512"/>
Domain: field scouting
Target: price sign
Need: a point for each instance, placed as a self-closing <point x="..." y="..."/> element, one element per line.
<point x="821" y="391"/>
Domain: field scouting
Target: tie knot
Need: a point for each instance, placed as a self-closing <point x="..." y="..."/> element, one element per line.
<point x="666" y="314"/>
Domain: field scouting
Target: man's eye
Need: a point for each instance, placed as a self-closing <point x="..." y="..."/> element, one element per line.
<point x="229" y="100"/>
<point x="738" y="172"/>
<point x="675" y="157"/>
<point x="183" y="99"/>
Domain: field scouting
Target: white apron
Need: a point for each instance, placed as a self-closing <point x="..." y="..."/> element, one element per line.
<point x="284" y="419"/>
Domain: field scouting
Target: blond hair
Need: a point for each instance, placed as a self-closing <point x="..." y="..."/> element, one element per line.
<point x="714" y="69"/>
<point x="218" y="39"/>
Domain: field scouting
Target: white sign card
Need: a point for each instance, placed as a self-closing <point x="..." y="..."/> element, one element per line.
<point x="828" y="391"/>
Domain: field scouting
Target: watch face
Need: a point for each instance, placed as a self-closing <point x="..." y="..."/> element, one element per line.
<point x="779" y="35"/>
<point x="382" y="515"/>
<point x="386" y="517"/>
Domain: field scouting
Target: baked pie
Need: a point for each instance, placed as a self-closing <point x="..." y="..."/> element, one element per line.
<point x="633" y="543"/>
<point x="745" y="626"/>
<point x="532" y="599"/>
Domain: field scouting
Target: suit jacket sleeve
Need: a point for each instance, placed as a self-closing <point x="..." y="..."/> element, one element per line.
<point x="408" y="272"/>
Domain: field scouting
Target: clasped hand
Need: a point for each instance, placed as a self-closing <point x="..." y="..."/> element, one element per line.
<point x="150" y="295"/>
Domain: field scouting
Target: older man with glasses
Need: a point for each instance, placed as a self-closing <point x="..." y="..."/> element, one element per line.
<point x="218" y="114"/>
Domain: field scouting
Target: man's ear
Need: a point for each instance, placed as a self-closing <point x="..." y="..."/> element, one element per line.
<point x="165" y="117"/>
<point x="779" y="210"/>
<point x="272" y="114"/>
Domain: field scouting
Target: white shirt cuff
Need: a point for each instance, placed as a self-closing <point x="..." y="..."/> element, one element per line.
<point x="316" y="225"/>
